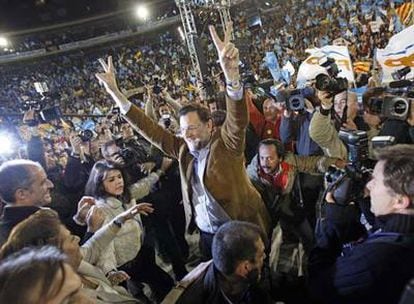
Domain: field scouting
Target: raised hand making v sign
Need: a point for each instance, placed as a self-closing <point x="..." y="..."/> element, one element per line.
<point x="228" y="55"/>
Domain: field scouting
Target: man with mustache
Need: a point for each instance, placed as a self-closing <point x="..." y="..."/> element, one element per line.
<point x="275" y="175"/>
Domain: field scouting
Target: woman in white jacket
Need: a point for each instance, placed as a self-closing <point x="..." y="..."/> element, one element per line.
<point x="128" y="251"/>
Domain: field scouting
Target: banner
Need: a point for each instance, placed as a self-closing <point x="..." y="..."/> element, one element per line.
<point x="288" y="70"/>
<point x="310" y="68"/>
<point x="273" y="65"/>
<point x="399" y="53"/>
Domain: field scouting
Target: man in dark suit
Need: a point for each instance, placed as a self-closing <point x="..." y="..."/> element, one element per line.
<point x="214" y="182"/>
<point x="24" y="188"/>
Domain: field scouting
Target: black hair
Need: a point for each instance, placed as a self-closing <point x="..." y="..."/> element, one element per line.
<point x="202" y="112"/>
<point x="95" y="187"/>
<point x="398" y="168"/>
<point x="280" y="149"/>
<point x="235" y="241"/>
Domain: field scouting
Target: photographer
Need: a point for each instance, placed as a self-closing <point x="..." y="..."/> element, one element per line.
<point x="295" y="127"/>
<point x="79" y="165"/>
<point x="349" y="266"/>
<point x="69" y="181"/>
<point x="335" y="112"/>
<point x="161" y="107"/>
<point x="401" y="128"/>
<point x="130" y="155"/>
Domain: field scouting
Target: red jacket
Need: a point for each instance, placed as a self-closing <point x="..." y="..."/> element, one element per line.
<point x="263" y="128"/>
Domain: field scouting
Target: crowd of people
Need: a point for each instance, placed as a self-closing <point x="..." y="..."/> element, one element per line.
<point x="97" y="197"/>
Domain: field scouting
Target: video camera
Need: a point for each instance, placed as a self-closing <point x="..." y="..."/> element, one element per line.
<point x="379" y="142"/>
<point x="347" y="184"/>
<point x="166" y="120"/>
<point x="331" y="83"/>
<point x="86" y="135"/>
<point x="45" y="109"/>
<point x="128" y="155"/>
<point x="398" y="98"/>
<point x="296" y="98"/>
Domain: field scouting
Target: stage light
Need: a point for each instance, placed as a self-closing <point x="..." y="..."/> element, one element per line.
<point x="3" y="42"/>
<point x="5" y="144"/>
<point x="142" y="12"/>
<point x="180" y="30"/>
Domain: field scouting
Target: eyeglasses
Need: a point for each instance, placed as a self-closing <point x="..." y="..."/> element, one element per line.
<point x="182" y="131"/>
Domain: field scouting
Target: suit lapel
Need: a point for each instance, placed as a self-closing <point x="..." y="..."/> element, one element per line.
<point x="189" y="171"/>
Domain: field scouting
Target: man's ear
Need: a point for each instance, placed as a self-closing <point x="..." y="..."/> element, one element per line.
<point x="20" y="195"/>
<point x="243" y="268"/>
<point x="210" y="124"/>
<point x="402" y="202"/>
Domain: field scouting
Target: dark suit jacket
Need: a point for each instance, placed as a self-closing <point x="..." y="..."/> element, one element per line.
<point x="206" y="290"/>
<point x="225" y="176"/>
<point x="11" y="217"/>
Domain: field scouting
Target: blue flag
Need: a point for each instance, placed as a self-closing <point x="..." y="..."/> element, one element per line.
<point x="273" y="65"/>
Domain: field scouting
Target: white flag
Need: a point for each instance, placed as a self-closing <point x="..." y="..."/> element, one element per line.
<point x="310" y="68"/>
<point x="289" y="67"/>
<point x="399" y="53"/>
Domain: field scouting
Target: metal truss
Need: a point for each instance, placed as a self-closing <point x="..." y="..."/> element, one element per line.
<point x="190" y="30"/>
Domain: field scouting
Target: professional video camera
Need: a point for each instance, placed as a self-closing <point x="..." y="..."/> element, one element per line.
<point x="347" y="185"/>
<point x="296" y="98"/>
<point x="45" y="109"/>
<point x="398" y="98"/>
<point x="130" y="155"/>
<point x="331" y="83"/>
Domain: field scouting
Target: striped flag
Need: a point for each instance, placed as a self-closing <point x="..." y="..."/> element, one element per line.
<point x="362" y="67"/>
<point x="405" y="12"/>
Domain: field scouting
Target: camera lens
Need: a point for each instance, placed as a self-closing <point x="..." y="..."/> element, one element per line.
<point x="295" y="103"/>
<point x="323" y="82"/>
<point x="86" y="135"/>
<point x="400" y="107"/>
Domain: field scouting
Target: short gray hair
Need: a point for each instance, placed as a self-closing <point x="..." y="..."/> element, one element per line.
<point x="15" y="174"/>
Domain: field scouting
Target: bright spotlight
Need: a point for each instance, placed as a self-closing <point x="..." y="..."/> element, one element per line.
<point x="142" y="12"/>
<point x="5" y="144"/>
<point x="3" y="42"/>
<point x="180" y="30"/>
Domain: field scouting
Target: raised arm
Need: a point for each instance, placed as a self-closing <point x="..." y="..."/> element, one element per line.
<point x="234" y="128"/>
<point x="154" y="133"/>
<point x="171" y="101"/>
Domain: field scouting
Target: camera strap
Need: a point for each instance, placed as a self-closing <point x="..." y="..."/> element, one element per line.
<point x="299" y="184"/>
